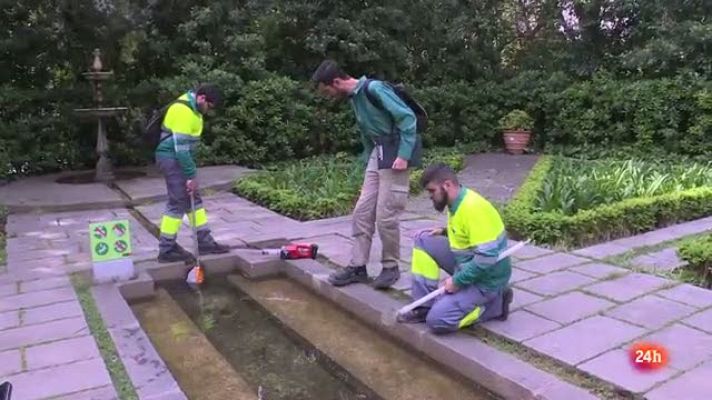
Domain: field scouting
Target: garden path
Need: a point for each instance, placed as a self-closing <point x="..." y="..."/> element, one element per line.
<point x="578" y="309"/>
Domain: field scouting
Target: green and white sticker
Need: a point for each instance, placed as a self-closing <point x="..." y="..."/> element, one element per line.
<point x="110" y="240"/>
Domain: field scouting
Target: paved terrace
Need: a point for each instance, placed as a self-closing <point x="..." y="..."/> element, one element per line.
<point x="580" y="309"/>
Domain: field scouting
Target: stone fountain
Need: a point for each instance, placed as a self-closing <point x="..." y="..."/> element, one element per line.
<point x="104" y="171"/>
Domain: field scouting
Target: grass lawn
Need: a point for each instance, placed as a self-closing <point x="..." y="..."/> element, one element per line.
<point x="324" y="186"/>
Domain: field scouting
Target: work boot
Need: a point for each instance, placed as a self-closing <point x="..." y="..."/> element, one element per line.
<point x="172" y="255"/>
<point x="348" y="275"/>
<point x="212" y="248"/>
<point x="387" y="278"/>
<point x="507" y="298"/>
<point x="414" y="316"/>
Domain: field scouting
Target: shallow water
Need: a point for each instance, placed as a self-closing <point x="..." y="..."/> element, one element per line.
<point x="260" y="350"/>
<point x="236" y="337"/>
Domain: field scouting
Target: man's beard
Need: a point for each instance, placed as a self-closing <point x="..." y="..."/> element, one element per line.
<point x="440" y="205"/>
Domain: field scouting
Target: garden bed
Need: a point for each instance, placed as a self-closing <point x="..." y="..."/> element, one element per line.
<point x="570" y="203"/>
<point x="323" y="186"/>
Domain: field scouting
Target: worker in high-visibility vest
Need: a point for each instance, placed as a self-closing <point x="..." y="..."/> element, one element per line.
<point x="181" y="130"/>
<point x="467" y="249"/>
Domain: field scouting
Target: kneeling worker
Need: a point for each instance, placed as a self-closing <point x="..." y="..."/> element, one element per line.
<point x="467" y="249"/>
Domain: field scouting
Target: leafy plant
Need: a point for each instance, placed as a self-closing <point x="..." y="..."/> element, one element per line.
<point x="575" y="185"/>
<point x="516" y="120"/>
<point x="322" y="186"/>
<point x="606" y="221"/>
<point x="698" y="254"/>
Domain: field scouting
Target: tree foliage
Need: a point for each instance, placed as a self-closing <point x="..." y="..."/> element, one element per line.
<point x="628" y="71"/>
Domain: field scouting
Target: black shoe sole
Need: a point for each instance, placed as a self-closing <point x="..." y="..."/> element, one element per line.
<point x="508" y="297"/>
<point x="385" y="285"/>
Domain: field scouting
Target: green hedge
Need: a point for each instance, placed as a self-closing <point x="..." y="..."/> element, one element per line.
<point x="698" y="254"/>
<point x="602" y="223"/>
<point x="277" y="118"/>
<point x="323" y="186"/>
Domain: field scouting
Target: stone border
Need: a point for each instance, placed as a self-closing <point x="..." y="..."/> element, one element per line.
<point x="495" y="370"/>
<point x="149" y="375"/>
<point x="647" y="239"/>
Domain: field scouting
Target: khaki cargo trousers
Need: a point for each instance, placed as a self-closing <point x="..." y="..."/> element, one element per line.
<point x="384" y="195"/>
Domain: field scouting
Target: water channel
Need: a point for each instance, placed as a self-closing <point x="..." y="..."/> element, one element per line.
<point x="276" y="340"/>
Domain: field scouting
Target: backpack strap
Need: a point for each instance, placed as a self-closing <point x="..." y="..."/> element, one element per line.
<point x="372" y="98"/>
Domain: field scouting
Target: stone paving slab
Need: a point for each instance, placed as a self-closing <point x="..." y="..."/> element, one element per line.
<point x="11" y="363"/>
<point x="651" y="311"/>
<point x="615" y="367"/>
<point x="686" y="346"/>
<point x="153" y="186"/>
<point x="28" y="194"/>
<point x="665" y="260"/>
<point x="36" y="299"/>
<point x="52" y="312"/>
<point x="692" y="385"/>
<point x="44" y="284"/>
<point x="523" y="298"/>
<point x="9" y="319"/>
<point x="61" y="352"/>
<point x="102" y="393"/>
<point x="60" y="380"/>
<point x="628" y="287"/>
<point x="556" y="283"/>
<point x="689" y="294"/>
<point x="599" y="270"/>
<point x="550" y="263"/>
<point x="584" y="339"/>
<point x="570" y="307"/>
<point x="37" y="334"/>
<point x="652" y="238"/>
<point x="702" y="321"/>
<point x="521" y="325"/>
<point x="519" y="275"/>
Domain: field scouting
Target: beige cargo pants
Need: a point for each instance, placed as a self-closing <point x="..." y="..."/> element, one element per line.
<point x="384" y="195"/>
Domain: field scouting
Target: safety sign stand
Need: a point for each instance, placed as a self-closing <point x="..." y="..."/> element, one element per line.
<point x="111" y="251"/>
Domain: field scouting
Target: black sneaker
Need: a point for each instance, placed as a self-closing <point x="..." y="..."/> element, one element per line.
<point x="213" y="248"/>
<point x="414" y="316"/>
<point x="507" y="298"/>
<point x="387" y="278"/>
<point x="172" y="256"/>
<point x="349" y="275"/>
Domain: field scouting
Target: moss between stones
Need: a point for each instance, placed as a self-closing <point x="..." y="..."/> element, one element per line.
<point x="118" y="374"/>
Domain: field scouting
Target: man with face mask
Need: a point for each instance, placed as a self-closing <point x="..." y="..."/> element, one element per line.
<point x="384" y="192"/>
<point x="181" y="131"/>
<point x="467" y="249"/>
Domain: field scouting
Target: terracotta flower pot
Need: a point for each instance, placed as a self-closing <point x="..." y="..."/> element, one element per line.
<point x="516" y="141"/>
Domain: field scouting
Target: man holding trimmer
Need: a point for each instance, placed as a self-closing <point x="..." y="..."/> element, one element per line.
<point x="181" y="131"/>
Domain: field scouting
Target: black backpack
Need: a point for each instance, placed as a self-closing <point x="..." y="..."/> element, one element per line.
<point x="152" y="130"/>
<point x="420" y="114"/>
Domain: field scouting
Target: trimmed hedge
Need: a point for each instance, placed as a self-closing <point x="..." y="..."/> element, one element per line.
<point x="602" y="223"/>
<point x="323" y="186"/>
<point x="698" y="254"/>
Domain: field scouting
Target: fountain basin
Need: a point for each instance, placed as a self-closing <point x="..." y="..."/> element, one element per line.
<point x="103" y="112"/>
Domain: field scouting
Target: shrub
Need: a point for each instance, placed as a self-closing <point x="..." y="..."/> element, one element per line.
<point x="516" y="120"/>
<point x="698" y="254"/>
<point x="601" y="223"/>
<point x="322" y="186"/>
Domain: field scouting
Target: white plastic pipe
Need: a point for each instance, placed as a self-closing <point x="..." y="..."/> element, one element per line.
<point x="441" y="290"/>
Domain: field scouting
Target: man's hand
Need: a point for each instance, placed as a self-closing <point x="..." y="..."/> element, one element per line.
<point x="191" y="185"/>
<point x="400" y="164"/>
<point x="449" y="285"/>
<point x="429" y="232"/>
